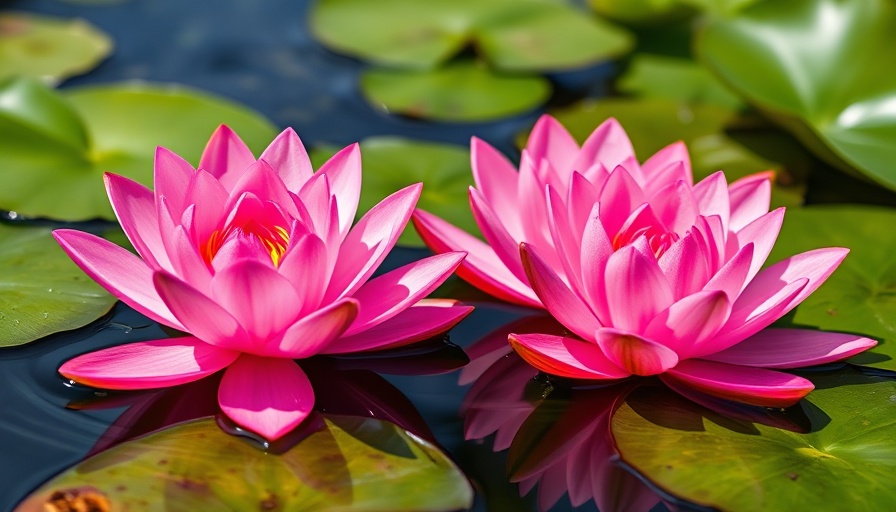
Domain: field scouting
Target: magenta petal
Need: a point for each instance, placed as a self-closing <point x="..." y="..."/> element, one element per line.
<point x="226" y="156"/>
<point x="685" y="265"/>
<point x="504" y="245"/>
<point x="762" y="233"/>
<point x="607" y="144"/>
<point x="755" y="386"/>
<point x="117" y="270"/>
<point x="171" y="177"/>
<point x="664" y="161"/>
<point x="793" y="348"/>
<point x="307" y="263"/>
<point x="367" y="244"/>
<point x="481" y="267"/>
<point x="620" y="196"/>
<point x="733" y="275"/>
<point x="135" y="207"/>
<point x="288" y="157"/>
<point x="269" y="396"/>
<point x="565" y="356"/>
<point x="200" y="315"/>
<point x="207" y="198"/>
<point x="566" y="306"/>
<point x="343" y="170"/>
<point x="313" y="333"/>
<point x="750" y="198"/>
<point x="258" y="297"/>
<point x="711" y="195"/>
<point x="389" y="294"/>
<point x="636" y="355"/>
<point x="636" y="289"/>
<point x="689" y="322"/>
<point x="495" y="177"/>
<point x="423" y="320"/>
<point x="148" y="364"/>
<point x="550" y="141"/>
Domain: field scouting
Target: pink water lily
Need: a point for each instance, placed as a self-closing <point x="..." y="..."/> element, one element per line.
<point x="651" y="273"/>
<point x="259" y="262"/>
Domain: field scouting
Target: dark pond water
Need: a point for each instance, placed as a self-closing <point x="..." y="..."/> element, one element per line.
<point x="259" y="53"/>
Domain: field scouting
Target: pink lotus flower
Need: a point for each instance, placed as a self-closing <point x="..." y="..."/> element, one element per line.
<point x="259" y="262"/>
<point x="652" y="274"/>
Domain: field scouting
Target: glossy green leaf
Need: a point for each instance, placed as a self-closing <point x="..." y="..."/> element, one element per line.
<point x="653" y="123"/>
<point x="657" y="76"/>
<point x="392" y="163"/>
<point x="824" y="74"/>
<point x="43" y="291"/>
<point x="48" y="48"/>
<point x="463" y="91"/>
<point x="346" y="463"/>
<point x="639" y="11"/>
<point x="846" y="461"/>
<point x="54" y="148"/>
<point x="531" y="35"/>
<point x="860" y="297"/>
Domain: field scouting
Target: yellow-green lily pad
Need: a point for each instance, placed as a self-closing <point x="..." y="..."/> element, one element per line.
<point x="47" y="48"/>
<point x="55" y="147"/>
<point x="44" y="292"/>
<point x="345" y="463"/>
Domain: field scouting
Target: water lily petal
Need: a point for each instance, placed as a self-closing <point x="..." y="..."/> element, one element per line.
<point x="208" y="199"/>
<point x="199" y="314"/>
<point x="550" y="141"/>
<point x="595" y="252"/>
<point x="135" y="207"/>
<point x="565" y="356"/>
<point x="690" y="321"/>
<point x="495" y="176"/>
<point x="566" y="242"/>
<point x="261" y="300"/>
<point x="124" y="275"/>
<point x="288" y="157"/>
<point x="481" y="267"/>
<point x="421" y="321"/>
<point x="762" y="233"/>
<point x="755" y="386"/>
<point x="314" y="332"/>
<point x="712" y="198"/>
<point x="566" y="306"/>
<point x="607" y="144"/>
<point x="750" y="198"/>
<point x="389" y="294"/>
<point x="343" y="171"/>
<point x="504" y="245"/>
<point x="620" y="196"/>
<point x="685" y="265"/>
<point x="733" y="276"/>
<point x="171" y="177"/>
<point x="269" y="396"/>
<point x="367" y="244"/>
<point x="793" y="348"/>
<point x="148" y="364"/>
<point x="581" y="200"/>
<point x="261" y="180"/>
<point x="636" y="289"/>
<point x="306" y="266"/>
<point x="670" y="164"/>
<point x="635" y="354"/>
<point x="226" y="156"/>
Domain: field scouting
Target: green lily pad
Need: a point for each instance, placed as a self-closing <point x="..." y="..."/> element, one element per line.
<point x="43" y="291"/>
<point x="860" y="297"/>
<point x="640" y="11"/>
<point x="47" y="48"/>
<point x="463" y="91"/>
<point x="657" y="76"/>
<point x="392" y="163"/>
<point x="530" y="35"/>
<point x="846" y="461"/>
<point x="821" y="74"/>
<point x="346" y="463"/>
<point x="54" y="148"/>
<point x="654" y="123"/>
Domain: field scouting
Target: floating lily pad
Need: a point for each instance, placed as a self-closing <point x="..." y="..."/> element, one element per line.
<point x="54" y="148"/>
<point x="531" y="35"/>
<point x="821" y="74"/>
<point x="461" y="91"/>
<point x="860" y="297"/>
<point x="673" y="78"/>
<point x="392" y="163"/>
<point x="48" y="48"/>
<point x="640" y="11"/>
<point x="654" y="123"/>
<point x="43" y="291"/>
<point x="846" y="462"/>
<point x="345" y="463"/>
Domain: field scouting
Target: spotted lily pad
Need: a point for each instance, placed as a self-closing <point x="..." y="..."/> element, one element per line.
<point x="54" y="148"/>
<point x="653" y="123"/>
<point x="43" y="291"/>
<point x="48" y="48"/>
<point x="846" y="461"/>
<point x="344" y="463"/>
<point x="860" y="297"/>
<point x="675" y="78"/>
<point x="531" y="35"/>
<point x="822" y="74"/>
<point x="463" y="91"/>
<point x="391" y="163"/>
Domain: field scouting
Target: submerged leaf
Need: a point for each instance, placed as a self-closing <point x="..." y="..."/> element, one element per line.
<point x="49" y="48"/>
<point x="54" y="148"/>
<point x="344" y="462"/>
<point x="43" y="291"/>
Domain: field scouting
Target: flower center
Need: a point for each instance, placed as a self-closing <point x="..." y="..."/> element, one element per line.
<point x="274" y="238"/>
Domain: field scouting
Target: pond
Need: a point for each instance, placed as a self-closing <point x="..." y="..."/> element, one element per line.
<point x="461" y="419"/>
